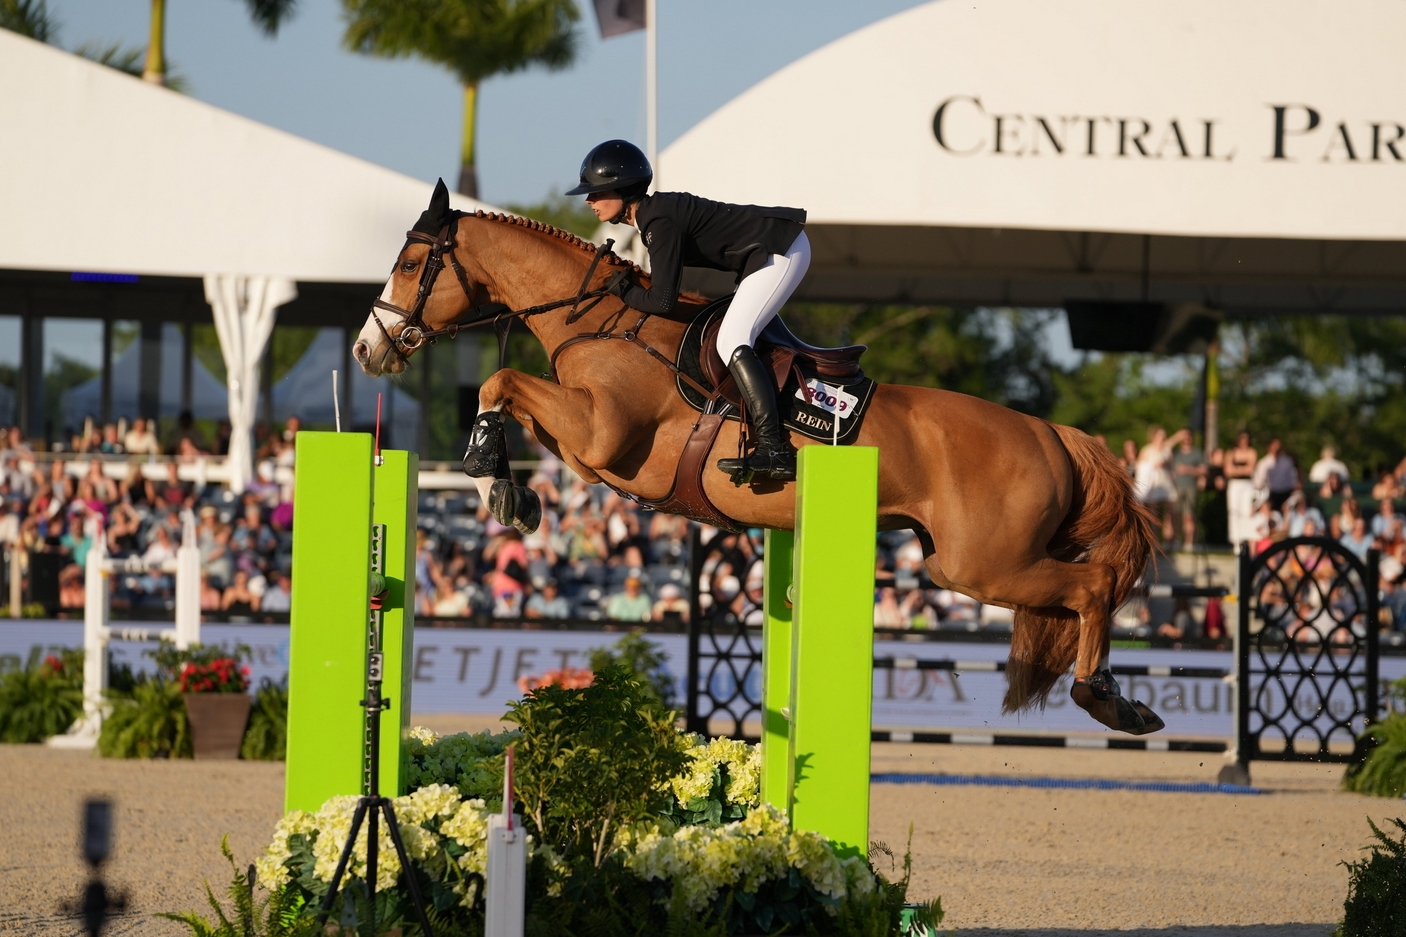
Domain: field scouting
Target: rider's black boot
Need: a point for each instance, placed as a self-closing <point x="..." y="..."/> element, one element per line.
<point x="772" y="455"/>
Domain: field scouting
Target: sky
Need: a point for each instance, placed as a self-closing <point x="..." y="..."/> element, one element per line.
<point x="534" y="126"/>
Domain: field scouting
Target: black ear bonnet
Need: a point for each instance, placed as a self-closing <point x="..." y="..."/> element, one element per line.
<point x="433" y="219"/>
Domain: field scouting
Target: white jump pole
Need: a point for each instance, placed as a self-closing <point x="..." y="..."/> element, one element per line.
<point x="96" y="606"/>
<point x="16" y="576"/>
<point x="505" y="874"/>
<point x="98" y="632"/>
<point x="188" y="585"/>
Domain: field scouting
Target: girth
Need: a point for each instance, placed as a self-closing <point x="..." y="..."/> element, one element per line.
<point x="686" y="495"/>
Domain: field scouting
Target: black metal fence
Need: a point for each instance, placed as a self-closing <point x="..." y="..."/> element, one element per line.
<point x="724" y="689"/>
<point x="1306" y="652"/>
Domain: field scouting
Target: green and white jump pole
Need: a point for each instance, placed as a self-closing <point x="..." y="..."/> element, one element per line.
<point x="351" y="517"/>
<point x="818" y="648"/>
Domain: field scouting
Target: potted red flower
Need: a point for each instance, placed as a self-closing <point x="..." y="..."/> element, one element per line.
<point x="216" y="692"/>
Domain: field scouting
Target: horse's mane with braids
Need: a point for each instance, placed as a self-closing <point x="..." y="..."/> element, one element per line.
<point x="580" y="243"/>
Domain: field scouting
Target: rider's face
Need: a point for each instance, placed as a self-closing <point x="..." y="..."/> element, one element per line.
<point x="606" y="205"/>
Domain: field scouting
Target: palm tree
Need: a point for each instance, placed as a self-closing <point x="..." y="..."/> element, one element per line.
<point x="29" y="18"/>
<point x="475" y="39"/>
<point x="268" y="15"/>
<point x="32" y="18"/>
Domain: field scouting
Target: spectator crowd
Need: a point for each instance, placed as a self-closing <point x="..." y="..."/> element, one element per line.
<point x="55" y="506"/>
<point x="1242" y="496"/>
<point x="597" y="555"/>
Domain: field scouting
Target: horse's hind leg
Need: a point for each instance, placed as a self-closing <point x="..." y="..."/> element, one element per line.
<point x="1085" y="589"/>
<point x="1095" y="690"/>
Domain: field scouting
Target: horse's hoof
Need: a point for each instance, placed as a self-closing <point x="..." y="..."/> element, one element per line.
<point x="1115" y="712"/>
<point x="513" y="506"/>
<point x="527" y="510"/>
<point x="1151" y="722"/>
<point x="502" y="502"/>
<point x="1130" y="717"/>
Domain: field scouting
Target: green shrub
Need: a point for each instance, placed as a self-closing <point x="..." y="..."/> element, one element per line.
<point x="1383" y="773"/>
<point x="641" y="659"/>
<point x="592" y="761"/>
<point x="1376" y="889"/>
<point x="42" y="699"/>
<point x="471" y="763"/>
<point x="266" y="738"/>
<point x="151" y="722"/>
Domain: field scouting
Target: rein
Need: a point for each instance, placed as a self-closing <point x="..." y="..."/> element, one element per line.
<point x="632" y="335"/>
<point x="414" y="331"/>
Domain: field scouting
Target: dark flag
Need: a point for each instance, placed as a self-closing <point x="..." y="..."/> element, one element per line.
<point x="617" y="17"/>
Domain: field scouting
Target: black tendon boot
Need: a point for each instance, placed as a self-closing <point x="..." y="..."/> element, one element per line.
<point x="487" y="454"/>
<point x="772" y="456"/>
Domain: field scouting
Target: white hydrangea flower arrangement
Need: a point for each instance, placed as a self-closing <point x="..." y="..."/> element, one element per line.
<point x="721" y="782"/>
<point x="714" y="841"/>
<point x="430" y="819"/>
<point x="701" y="861"/>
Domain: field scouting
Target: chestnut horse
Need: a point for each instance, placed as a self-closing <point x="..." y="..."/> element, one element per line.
<point x="1010" y="510"/>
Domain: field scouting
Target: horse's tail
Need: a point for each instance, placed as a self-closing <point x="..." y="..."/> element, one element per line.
<point x="1105" y="524"/>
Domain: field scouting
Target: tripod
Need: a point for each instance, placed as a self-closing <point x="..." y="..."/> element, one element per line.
<point x="373" y="807"/>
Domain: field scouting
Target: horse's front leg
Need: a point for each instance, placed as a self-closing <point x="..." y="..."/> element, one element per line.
<point x="562" y="418"/>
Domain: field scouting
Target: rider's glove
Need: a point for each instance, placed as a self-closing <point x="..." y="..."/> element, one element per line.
<point x="618" y="284"/>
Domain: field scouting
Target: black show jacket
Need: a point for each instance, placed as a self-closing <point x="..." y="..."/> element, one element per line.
<point x="682" y="230"/>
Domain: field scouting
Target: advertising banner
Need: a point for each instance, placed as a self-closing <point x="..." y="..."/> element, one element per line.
<point x="477" y="671"/>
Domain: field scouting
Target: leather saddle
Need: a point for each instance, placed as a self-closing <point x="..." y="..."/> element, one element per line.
<point x="778" y="346"/>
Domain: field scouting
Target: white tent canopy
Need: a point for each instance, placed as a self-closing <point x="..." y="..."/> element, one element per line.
<point x="103" y="172"/>
<point x="1249" y="153"/>
<point x="207" y="394"/>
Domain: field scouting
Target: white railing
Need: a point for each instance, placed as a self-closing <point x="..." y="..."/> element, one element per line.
<point x="213" y="470"/>
<point x="205" y="470"/>
<point x="13" y="554"/>
<point x="98" y="632"/>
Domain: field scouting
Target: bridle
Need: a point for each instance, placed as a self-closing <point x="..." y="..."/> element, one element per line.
<point x="414" y="331"/>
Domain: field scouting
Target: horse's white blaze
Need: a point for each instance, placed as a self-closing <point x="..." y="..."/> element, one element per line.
<point x="371" y="333"/>
<point x="389" y="289"/>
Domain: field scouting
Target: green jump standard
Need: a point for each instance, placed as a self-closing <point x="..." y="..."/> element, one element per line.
<point x="818" y="648"/>
<point x="338" y="495"/>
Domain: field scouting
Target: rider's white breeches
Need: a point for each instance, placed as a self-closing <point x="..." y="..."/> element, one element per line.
<point x="761" y="295"/>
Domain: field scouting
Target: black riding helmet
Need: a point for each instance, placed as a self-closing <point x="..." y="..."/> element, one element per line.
<point x="618" y="165"/>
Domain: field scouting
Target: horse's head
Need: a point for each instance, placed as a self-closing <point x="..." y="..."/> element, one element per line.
<point x="416" y="299"/>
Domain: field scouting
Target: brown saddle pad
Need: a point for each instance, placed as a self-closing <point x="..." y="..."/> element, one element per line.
<point x="812" y="383"/>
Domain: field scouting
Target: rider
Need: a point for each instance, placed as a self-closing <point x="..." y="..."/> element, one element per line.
<point x="766" y="247"/>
